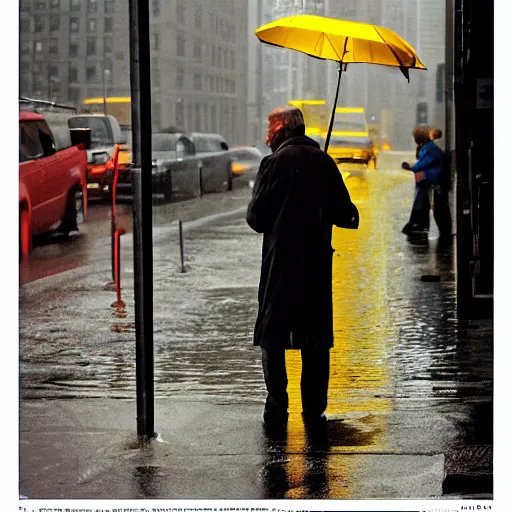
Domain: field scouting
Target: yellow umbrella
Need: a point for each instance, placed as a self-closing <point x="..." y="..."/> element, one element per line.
<point x="343" y="41"/>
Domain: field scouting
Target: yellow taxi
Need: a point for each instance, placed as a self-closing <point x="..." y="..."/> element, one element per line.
<point x="350" y="139"/>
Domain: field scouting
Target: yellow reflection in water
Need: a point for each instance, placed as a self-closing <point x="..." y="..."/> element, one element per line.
<point x="359" y="378"/>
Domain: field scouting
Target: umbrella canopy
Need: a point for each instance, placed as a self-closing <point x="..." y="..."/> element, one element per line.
<point x="343" y="41"/>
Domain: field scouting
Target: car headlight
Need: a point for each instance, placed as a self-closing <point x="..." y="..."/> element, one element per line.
<point x="100" y="158"/>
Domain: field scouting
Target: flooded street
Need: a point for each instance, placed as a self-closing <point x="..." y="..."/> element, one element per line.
<point x="396" y="336"/>
<point x="408" y="380"/>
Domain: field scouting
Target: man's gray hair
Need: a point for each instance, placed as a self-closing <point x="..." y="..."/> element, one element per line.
<point x="291" y="117"/>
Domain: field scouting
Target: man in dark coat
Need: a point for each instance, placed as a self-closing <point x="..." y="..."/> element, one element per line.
<point x="298" y="196"/>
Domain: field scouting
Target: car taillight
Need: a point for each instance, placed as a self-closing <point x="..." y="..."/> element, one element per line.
<point x="97" y="169"/>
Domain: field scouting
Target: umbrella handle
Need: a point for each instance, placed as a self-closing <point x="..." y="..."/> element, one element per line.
<point x="328" y="138"/>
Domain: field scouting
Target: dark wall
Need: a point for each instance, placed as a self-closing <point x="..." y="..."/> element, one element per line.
<point x="474" y="153"/>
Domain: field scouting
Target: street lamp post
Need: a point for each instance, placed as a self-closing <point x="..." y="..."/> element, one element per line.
<point x="106" y="75"/>
<point x="140" y="85"/>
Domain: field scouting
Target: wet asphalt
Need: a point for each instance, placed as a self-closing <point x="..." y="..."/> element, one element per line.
<point x="411" y="386"/>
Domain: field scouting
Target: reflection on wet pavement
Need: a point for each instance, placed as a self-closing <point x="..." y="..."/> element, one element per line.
<point x="398" y="343"/>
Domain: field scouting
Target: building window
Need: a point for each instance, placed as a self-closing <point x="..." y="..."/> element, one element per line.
<point x="197" y="51"/>
<point x="155" y="72"/>
<point x="25" y="47"/>
<point x="197" y="117"/>
<point x="91" y="26"/>
<point x="75" y="5"/>
<point x="180" y="45"/>
<point x="24" y="66"/>
<point x="179" y="76"/>
<point x="53" y="47"/>
<point x="38" y="47"/>
<point x="107" y="44"/>
<point x="91" y="46"/>
<point x="38" y="24"/>
<point x="213" y="118"/>
<point x="53" y="72"/>
<point x="109" y="24"/>
<point x="198" y="81"/>
<point x="199" y="18"/>
<point x="180" y="11"/>
<point x="90" y="73"/>
<point x="73" y="93"/>
<point x="155" y="7"/>
<point x="109" y="6"/>
<point x="72" y="73"/>
<point x="54" y="23"/>
<point x="156" y="115"/>
<point x="73" y="45"/>
<point x="25" y="79"/>
<point x="24" y="25"/>
<point x="40" y="5"/>
<point x="219" y="56"/>
<point x="180" y="114"/>
<point x="40" y="84"/>
<point x="74" y="24"/>
<point x="25" y="5"/>
<point x="155" y="41"/>
<point x="54" y="4"/>
<point x="92" y="6"/>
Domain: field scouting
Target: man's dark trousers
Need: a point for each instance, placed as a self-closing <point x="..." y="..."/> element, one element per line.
<point x="314" y="380"/>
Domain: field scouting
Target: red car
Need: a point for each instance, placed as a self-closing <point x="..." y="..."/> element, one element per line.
<point x="52" y="183"/>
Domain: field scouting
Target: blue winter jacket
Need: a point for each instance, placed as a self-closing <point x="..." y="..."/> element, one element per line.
<point x="431" y="162"/>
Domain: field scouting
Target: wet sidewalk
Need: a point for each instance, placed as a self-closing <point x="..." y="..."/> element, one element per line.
<point x="410" y="403"/>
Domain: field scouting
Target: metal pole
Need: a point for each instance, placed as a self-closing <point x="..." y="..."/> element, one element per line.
<point x="181" y="247"/>
<point x="328" y="138"/>
<point x="140" y="83"/>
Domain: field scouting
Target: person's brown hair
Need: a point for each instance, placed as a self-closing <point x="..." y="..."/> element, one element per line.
<point x="435" y="133"/>
<point x="290" y="117"/>
<point x="421" y="134"/>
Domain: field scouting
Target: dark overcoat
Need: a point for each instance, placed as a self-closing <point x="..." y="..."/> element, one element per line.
<point x="298" y="196"/>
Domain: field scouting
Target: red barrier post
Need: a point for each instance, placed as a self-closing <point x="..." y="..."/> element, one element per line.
<point x="117" y="267"/>
<point x="113" y="225"/>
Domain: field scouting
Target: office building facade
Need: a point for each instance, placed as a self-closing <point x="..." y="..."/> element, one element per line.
<point x="75" y="49"/>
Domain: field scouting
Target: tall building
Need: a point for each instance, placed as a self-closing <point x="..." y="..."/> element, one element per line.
<point x="74" y="49"/>
<point x="384" y="92"/>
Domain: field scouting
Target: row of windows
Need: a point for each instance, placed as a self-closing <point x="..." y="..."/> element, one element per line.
<point x="52" y="72"/>
<point x="92" y="6"/>
<point x="218" y="26"/>
<point x="39" y="24"/>
<point x="54" y="45"/>
<point x="216" y="56"/>
<point x="213" y="84"/>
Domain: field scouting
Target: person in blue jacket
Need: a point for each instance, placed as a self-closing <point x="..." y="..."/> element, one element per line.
<point x="430" y="172"/>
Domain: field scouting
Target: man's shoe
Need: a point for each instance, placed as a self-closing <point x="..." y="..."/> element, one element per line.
<point x="406" y="229"/>
<point x="314" y="419"/>
<point x="275" y="418"/>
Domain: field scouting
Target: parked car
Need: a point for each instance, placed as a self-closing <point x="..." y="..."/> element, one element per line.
<point x="52" y="182"/>
<point x="215" y="162"/>
<point x="180" y="169"/>
<point x="176" y="169"/>
<point x="106" y="133"/>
